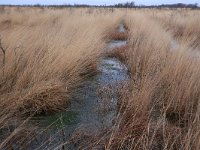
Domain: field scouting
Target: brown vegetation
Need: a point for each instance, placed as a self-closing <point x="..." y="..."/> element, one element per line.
<point x="52" y="52"/>
<point x="163" y="109"/>
<point x="49" y="55"/>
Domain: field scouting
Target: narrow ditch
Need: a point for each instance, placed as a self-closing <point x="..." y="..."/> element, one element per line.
<point x="193" y="52"/>
<point x="94" y="105"/>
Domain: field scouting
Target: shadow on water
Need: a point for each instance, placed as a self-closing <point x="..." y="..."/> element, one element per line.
<point x="93" y="104"/>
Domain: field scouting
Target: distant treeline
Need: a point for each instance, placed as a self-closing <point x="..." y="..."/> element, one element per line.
<point x="178" y="5"/>
<point x="120" y="5"/>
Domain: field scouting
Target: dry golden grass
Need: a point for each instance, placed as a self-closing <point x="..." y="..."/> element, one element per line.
<point x="49" y="54"/>
<point x="183" y="24"/>
<point x="53" y="51"/>
<point x="162" y="109"/>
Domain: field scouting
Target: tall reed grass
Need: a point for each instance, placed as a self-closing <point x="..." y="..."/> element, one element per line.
<point x="162" y="109"/>
<point x="49" y="54"/>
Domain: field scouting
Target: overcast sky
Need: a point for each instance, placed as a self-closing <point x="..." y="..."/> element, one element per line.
<point x="97" y="2"/>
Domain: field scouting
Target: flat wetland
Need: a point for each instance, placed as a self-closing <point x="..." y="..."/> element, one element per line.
<point x="99" y="78"/>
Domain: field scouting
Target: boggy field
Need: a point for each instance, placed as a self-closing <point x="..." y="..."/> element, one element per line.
<point x="99" y="78"/>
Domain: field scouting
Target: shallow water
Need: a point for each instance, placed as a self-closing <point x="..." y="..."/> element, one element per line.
<point x="115" y="44"/>
<point x="121" y="28"/>
<point x="174" y="44"/>
<point x="195" y="53"/>
<point x="94" y="104"/>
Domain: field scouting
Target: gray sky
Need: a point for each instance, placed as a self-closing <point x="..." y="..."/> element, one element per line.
<point x="97" y="2"/>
